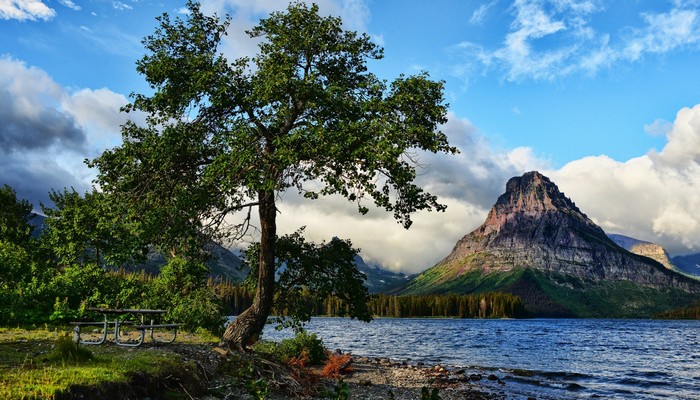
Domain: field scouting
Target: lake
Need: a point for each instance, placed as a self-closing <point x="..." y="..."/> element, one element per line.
<point x="543" y="358"/>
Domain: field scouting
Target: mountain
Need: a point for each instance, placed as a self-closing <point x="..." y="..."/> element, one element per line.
<point x="646" y="249"/>
<point x="380" y="280"/>
<point x="689" y="263"/>
<point x="536" y="243"/>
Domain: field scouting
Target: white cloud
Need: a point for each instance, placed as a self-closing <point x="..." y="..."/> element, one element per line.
<point x="98" y="112"/>
<point x="479" y="14"/>
<point x="118" y="5"/>
<point x="48" y="131"/>
<point x="654" y="197"/>
<point x="25" y="10"/>
<point x="70" y="4"/>
<point x="663" y="33"/>
<point x="660" y="127"/>
<point x="549" y="39"/>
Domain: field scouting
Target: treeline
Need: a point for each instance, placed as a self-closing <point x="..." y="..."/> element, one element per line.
<point x="483" y="305"/>
<point x="690" y="312"/>
<point x="237" y="298"/>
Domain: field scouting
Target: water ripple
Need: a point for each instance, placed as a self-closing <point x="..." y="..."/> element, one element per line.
<point x="623" y="359"/>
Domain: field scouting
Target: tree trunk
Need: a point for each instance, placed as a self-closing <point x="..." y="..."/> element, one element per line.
<point x="246" y="328"/>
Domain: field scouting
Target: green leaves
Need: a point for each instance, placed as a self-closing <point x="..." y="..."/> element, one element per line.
<point x="308" y="272"/>
<point x="14" y="217"/>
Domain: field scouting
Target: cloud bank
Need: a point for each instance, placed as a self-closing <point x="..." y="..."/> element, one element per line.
<point x="23" y="10"/>
<point x="48" y="131"/>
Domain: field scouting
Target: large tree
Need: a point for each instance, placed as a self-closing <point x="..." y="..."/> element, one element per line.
<point x="227" y="137"/>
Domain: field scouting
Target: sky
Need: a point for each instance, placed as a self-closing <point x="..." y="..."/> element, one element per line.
<point x="603" y="97"/>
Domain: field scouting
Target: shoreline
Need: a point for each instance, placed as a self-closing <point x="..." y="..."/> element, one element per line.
<point x="381" y="378"/>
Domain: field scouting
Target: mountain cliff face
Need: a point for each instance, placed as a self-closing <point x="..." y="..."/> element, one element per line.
<point x="535" y="227"/>
<point x="646" y="249"/>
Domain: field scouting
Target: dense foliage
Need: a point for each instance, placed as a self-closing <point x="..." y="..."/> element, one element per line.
<point x="76" y="263"/>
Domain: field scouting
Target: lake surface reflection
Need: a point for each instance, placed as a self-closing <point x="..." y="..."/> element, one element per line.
<point x="544" y="358"/>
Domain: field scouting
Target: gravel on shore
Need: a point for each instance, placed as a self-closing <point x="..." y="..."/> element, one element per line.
<point x="374" y="378"/>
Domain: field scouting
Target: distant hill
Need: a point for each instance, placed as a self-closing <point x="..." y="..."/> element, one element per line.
<point x="380" y="280"/>
<point x="689" y="263"/>
<point x="642" y="248"/>
<point x="537" y="244"/>
<point x="223" y="264"/>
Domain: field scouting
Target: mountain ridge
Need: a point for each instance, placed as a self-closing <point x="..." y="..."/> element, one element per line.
<point x="534" y="226"/>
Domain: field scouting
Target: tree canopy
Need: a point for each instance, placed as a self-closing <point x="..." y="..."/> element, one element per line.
<point x="15" y="215"/>
<point x="224" y="137"/>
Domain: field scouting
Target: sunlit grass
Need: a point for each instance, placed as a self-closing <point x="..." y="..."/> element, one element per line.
<point x="39" y="363"/>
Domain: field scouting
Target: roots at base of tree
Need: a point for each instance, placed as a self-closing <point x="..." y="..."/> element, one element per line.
<point x="243" y="332"/>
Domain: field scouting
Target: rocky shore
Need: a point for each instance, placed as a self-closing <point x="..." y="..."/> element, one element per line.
<point x="366" y="378"/>
<point x="380" y="378"/>
<point x="374" y="378"/>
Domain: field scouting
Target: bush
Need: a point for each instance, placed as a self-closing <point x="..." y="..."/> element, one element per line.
<point x="301" y="343"/>
<point x="336" y="365"/>
<point x="197" y="309"/>
<point x="303" y="346"/>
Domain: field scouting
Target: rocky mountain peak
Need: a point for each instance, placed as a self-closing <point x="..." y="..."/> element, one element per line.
<point x="532" y="193"/>
<point x="528" y="200"/>
<point x="534" y="225"/>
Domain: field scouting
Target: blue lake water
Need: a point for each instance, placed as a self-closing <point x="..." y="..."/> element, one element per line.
<point x="543" y="358"/>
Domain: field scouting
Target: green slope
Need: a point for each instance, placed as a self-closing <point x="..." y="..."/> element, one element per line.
<point x="548" y="294"/>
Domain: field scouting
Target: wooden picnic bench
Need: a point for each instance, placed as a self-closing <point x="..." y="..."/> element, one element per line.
<point x="115" y="326"/>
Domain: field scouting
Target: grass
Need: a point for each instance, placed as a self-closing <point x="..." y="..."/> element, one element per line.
<point x="46" y="364"/>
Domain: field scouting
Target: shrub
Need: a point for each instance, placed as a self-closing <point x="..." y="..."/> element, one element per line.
<point x="303" y="342"/>
<point x="303" y="347"/>
<point x="336" y="365"/>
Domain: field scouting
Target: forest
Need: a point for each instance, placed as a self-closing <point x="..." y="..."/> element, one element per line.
<point x="236" y="298"/>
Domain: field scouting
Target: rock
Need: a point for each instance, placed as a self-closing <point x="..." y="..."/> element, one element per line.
<point x="364" y="382"/>
<point x="492" y="377"/>
<point x="459" y="372"/>
<point x="475" y="377"/>
<point x="222" y="352"/>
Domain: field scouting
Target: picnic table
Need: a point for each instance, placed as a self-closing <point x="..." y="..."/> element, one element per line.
<point x="118" y="321"/>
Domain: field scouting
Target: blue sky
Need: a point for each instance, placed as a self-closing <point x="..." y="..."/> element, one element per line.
<point x="599" y="95"/>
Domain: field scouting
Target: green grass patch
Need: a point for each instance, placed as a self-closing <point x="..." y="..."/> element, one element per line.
<point x="47" y="364"/>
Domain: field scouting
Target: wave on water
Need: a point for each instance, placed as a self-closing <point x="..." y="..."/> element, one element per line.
<point x="545" y="359"/>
